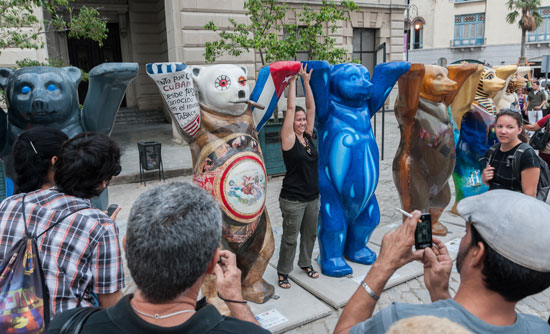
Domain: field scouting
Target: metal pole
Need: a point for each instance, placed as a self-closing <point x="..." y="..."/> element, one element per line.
<point x="375" y="126"/>
<point x="383" y="122"/>
<point x="408" y="30"/>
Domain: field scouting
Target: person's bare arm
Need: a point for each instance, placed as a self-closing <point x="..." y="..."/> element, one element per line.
<point x="228" y="284"/>
<point x="395" y="252"/>
<point x="530" y="180"/>
<point x="531" y="127"/>
<point x="110" y="299"/>
<point x="287" y="131"/>
<point x="310" y="102"/>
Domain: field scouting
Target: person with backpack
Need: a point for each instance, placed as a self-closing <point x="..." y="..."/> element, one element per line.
<point x="499" y="172"/>
<point x="71" y="251"/>
<point x="543" y="122"/>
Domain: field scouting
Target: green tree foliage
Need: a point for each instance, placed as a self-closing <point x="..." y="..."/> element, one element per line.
<point x="529" y="18"/>
<point x="20" y="28"/>
<point x="309" y="35"/>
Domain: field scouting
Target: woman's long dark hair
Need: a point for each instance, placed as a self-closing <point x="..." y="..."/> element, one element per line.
<point x="32" y="154"/>
<point x="517" y="116"/>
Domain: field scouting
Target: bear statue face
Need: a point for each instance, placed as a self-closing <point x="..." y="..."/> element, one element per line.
<point x="350" y="84"/>
<point x="41" y="95"/>
<point x="223" y="88"/>
<point x="436" y="83"/>
<point x="490" y="83"/>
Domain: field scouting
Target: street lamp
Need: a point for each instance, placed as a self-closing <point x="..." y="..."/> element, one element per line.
<point x="412" y="11"/>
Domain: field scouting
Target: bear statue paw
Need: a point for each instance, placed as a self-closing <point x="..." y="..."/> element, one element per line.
<point x="335" y="267"/>
<point x="120" y="71"/>
<point x="258" y="292"/>
<point x="363" y="255"/>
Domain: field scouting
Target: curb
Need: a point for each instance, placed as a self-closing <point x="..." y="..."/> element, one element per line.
<point x="150" y="175"/>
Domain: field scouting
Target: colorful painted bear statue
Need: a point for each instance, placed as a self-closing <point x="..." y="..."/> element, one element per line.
<point x="48" y="96"/>
<point x="221" y="129"/>
<point x="345" y="99"/>
<point x="477" y="132"/>
<point x="425" y="158"/>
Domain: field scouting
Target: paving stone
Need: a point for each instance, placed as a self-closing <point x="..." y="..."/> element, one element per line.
<point x="423" y="295"/>
<point x="534" y="304"/>
<point x="410" y="298"/>
<point x="414" y="284"/>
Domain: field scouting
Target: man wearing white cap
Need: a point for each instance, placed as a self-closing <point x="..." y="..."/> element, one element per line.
<point x="502" y="259"/>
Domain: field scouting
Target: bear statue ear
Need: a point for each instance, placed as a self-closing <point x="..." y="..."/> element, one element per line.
<point x="245" y="70"/>
<point x="5" y="75"/>
<point x="74" y="73"/>
<point x="196" y="71"/>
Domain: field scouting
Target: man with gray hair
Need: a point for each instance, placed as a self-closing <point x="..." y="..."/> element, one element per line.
<point x="173" y="242"/>
<point x="502" y="259"/>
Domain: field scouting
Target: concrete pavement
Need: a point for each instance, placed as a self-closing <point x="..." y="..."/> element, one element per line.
<point x="177" y="162"/>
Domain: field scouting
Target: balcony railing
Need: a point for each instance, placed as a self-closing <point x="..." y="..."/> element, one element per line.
<point x="467" y="42"/>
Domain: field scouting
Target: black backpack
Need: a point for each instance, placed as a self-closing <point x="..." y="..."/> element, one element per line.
<point x="543" y="187"/>
<point x="541" y="137"/>
<point x="23" y="292"/>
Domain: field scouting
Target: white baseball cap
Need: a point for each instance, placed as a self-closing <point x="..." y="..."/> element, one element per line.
<point x="515" y="225"/>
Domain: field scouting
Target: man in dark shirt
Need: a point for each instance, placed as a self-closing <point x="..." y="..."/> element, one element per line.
<point x="173" y="238"/>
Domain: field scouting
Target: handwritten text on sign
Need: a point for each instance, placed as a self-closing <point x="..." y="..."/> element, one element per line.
<point x="179" y="93"/>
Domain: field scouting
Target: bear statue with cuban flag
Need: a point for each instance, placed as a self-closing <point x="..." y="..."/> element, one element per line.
<point x="220" y="118"/>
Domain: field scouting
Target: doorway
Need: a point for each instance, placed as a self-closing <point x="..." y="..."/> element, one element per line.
<point x="86" y="54"/>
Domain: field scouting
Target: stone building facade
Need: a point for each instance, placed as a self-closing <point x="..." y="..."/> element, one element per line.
<point x="453" y="30"/>
<point x="145" y="31"/>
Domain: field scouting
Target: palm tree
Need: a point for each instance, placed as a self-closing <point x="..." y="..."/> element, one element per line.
<point x="529" y="21"/>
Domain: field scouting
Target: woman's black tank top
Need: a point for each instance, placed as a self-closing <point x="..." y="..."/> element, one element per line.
<point x="301" y="182"/>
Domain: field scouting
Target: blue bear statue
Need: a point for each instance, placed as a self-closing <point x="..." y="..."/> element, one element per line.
<point x="346" y="98"/>
<point x="48" y="96"/>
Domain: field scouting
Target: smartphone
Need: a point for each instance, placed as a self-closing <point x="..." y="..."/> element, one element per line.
<point x="423" y="232"/>
<point x="111" y="209"/>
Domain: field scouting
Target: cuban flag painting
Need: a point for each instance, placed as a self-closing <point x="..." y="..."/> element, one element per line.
<point x="271" y="83"/>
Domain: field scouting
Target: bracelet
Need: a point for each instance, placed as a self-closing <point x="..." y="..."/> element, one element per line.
<point x="231" y="301"/>
<point x="369" y="291"/>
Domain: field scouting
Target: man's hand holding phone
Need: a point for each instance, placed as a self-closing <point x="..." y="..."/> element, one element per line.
<point x="396" y="249"/>
<point x="437" y="270"/>
<point x="228" y="276"/>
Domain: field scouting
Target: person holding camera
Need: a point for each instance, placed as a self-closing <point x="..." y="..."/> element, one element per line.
<point x="500" y="261"/>
<point x="299" y="198"/>
<point x="499" y="171"/>
<point x="545" y="152"/>
<point x="173" y="243"/>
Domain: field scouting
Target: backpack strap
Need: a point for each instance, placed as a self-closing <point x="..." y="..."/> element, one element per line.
<point x="75" y="323"/>
<point x="49" y="228"/>
<point x="492" y="151"/>
<point x="517" y="159"/>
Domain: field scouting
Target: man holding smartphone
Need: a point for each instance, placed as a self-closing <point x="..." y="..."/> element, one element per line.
<point x="500" y="261"/>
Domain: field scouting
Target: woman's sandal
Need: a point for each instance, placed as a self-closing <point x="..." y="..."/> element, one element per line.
<point x="283" y="281"/>
<point x="310" y="271"/>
